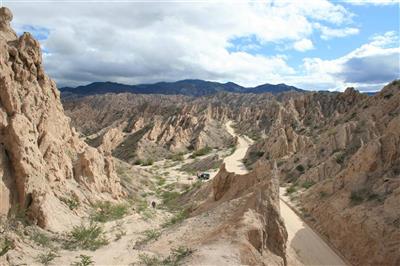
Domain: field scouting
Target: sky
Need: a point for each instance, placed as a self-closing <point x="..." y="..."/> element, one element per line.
<point x="311" y="44"/>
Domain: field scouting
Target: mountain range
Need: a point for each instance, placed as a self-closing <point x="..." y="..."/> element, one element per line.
<point x="188" y="87"/>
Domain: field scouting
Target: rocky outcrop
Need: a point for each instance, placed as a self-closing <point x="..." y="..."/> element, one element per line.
<point x="251" y="216"/>
<point x="41" y="158"/>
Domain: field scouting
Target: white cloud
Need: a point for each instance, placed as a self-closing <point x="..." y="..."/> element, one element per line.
<point x="147" y="42"/>
<point x="369" y="66"/>
<point x="372" y="2"/>
<point x="329" y="33"/>
<point x="303" y="45"/>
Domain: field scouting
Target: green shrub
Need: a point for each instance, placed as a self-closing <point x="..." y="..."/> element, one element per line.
<point x="307" y="184"/>
<point x="149" y="260"/>
<point x="201" y="152"/>
<point x="148" y="162"/>
<point x="5" y="246"/>
<point x="323" y="194"/>
<point x="169" y="198"/>
<point x="177" y="255"/>
<point x="291" y="189"/>
<point x="89" y="237"/>
<point x="357" y="196"/>
<point x="41" y="239"/>
<point x="174" y="259"/>
<point x="47" y="257"/>
<point x="72" y="203"/>
<point x="84" y="261"/>
<point x="106" y="211"/>
<point x="177" y="157"/>
<point x="340" y="157"/>
<point x="300" y="168"/>
<point x="177" y="218"/>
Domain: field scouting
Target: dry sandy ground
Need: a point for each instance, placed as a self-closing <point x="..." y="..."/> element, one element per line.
<point x="304" y="245"/>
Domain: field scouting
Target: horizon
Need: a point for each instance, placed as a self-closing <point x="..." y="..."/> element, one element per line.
<point x="318" y="45"/>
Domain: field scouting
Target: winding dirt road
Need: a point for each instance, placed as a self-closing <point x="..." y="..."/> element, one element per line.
<point x="304" y="246"/>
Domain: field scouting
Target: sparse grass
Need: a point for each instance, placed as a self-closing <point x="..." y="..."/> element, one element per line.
<point x="177" y="157"/>
<point x="201" y="152"/>
<point x="120" y="233"/>
<point x="47" y="257"/>
<point x="291" y="189"/>
<point x="149" y="235"/>
<point x="307" y="184"/>
<point x="177" y="218"/>
<point x="160" y="181"/>
<point x="89" y="237"/>
<point x="107" y="211"/>
<point x="18" y="214"/>
<point x="41" y="239"/>
<point x="357" y="196"/>
<point x="5" y="246"/>
<point x="169" y="198"/>
<point x="148" y="162"/>
<point x="174" y="259"/>
<point x="148" y="260"/>
<point x="72" y="203"/>
<point x="84" y="260"/>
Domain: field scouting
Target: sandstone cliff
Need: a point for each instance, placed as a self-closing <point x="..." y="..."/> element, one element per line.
<point x="42" y="159"/>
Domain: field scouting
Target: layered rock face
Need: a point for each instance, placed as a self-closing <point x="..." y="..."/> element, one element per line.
<point x="135" y="127"/>
<point x="246" y="211"/>
<point x="42" y="159"/>
<point x="349" y="155"/>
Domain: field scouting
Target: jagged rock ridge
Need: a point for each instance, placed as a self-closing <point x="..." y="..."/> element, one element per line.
<point x="42" y="158"/>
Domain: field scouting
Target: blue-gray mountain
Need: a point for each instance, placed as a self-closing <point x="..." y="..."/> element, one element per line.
<point x="188" y="87"/>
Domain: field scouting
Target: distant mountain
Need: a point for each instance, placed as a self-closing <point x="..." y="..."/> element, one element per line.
<point x="188" y="87"/>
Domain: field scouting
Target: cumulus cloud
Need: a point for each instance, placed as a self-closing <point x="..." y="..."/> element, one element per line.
<point x="370" y="66"/>
<point x="329" y="33"/>
<point x="147" y="42"/>
<point x="303" y="45"/>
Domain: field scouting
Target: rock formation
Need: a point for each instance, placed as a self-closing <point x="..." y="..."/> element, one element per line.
<point x="246" y="211"/>
<point x="42" y="159"/>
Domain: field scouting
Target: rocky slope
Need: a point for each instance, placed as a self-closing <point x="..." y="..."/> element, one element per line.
<point x="339" y="152"/>
<point x="42" y="159"/>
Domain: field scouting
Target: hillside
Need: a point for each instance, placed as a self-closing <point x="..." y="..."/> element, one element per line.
<point x="337" y="152"/>
<point x="189" y="87"/>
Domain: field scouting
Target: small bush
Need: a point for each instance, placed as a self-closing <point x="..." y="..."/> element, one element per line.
<point x="84" y="261"/>
<point x="41" y="239"/>
<point x="323" y="194"/>
<point x="291" y="189"/>
<point x="106" y="211"/>
<point x="177" y="157"/>
<point x="47" y="257"/>
<point x="72" y="203"/>
<point x="149" y="260"/>
<point x="5" y="246"/>
<point x="177" y="218"/>
<point x="357" y="196"/>
<point x="300" y="168"/>
<point x="169" y="198"/>
<point x="148" y="162"/>
<point x="201" y="152"/>
<point x="149" y="235"/>
<point x="307" y="184"/>
<point x="177" y="255"/>
<point x="89" y="237"/>
<point x="174" y="259"/>
<point x="340" y="158"/>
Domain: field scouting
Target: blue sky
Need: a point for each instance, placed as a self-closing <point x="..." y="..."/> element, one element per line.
<point x="316" y="44"/>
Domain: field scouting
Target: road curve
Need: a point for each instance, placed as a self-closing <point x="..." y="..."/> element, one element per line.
<point x="305" y="247"/>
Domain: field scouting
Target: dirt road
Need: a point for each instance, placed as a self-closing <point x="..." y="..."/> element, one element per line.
<point x="304" y="245"/>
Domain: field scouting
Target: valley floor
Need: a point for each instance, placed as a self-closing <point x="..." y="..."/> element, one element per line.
<point x="150" y="235"/>
<point x="304" y="245"/>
